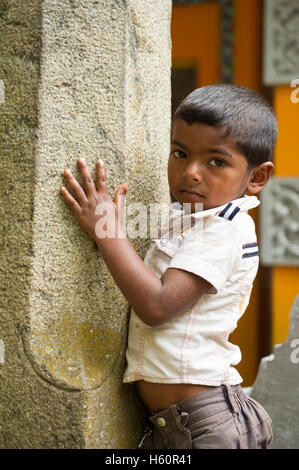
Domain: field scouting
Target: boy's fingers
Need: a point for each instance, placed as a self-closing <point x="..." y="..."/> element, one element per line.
<point x="75" y="187"/>
<point x="70" y="200"/>
<point x="86" y="177"/>
<point x="101" y="176"/>
<point x="122" y="190"/>
<point x="120" y="200"/>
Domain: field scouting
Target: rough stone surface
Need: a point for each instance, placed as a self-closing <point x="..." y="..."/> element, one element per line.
<point x="85" y="79"/>
<point x="277" y="386"/>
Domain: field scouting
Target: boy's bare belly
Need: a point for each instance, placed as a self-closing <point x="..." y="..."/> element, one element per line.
<point x="158" y="396"/>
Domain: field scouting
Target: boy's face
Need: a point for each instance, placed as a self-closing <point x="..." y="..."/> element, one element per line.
<point x="205" y="167"/>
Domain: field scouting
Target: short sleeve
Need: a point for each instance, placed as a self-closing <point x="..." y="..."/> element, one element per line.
<point x="209" y="252"/>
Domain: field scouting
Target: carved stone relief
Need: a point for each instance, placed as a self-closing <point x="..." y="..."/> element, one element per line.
<point x="279" y="235"/>
<point x="281" y="43"/>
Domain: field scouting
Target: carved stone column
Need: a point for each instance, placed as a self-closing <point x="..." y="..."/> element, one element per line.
<point x="85" y="79"/>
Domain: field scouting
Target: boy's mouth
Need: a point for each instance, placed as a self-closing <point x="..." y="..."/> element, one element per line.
<point x="191" y="193"/>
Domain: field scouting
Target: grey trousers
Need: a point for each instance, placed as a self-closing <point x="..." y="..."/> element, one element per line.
<point x="220" y="418"/>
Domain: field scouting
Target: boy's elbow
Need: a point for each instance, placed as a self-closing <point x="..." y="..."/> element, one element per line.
<point x="152" y="315"/>
<point x="154" y="322"/>
<point x="157" y="311"/>
<point x="157" y="318"/>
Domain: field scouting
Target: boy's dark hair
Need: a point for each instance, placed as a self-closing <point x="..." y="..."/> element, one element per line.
<point x="247" y="116"/>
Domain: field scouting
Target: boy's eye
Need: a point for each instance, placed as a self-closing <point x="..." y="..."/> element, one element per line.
<point x="217" y="162"/>
<point x="179" y="154"/>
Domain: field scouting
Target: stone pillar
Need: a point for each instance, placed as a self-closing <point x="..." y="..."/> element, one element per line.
<point x="85" y="79"/>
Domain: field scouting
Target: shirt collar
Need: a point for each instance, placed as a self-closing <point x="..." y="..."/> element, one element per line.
<point x="244" y="203"/>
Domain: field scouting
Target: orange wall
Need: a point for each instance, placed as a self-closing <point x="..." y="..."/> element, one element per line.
<point x="247" y="72"/>
<point x="285" y="279"/>
<point x="248" y="43"/>
<point x="196" y="38"/>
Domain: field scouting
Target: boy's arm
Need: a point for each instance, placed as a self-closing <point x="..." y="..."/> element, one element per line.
<point x="153" y="299"/>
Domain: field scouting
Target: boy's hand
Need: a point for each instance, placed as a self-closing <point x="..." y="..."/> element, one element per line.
<point x="154" y="300"/>
<point x="85" y="202"/>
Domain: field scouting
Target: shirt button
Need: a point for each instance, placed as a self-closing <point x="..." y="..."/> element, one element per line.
<point x="161" y="422"/>
<point x="164" y="241"/>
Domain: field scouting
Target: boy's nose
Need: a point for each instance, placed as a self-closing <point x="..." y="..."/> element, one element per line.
<point x="193" y="171"/>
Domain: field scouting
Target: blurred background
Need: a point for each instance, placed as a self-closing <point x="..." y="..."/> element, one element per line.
<point x="253" y="43"/>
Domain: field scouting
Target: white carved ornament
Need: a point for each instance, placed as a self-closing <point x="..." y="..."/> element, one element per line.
<point x="279" y="222"/>
<point x="281" y="41"/>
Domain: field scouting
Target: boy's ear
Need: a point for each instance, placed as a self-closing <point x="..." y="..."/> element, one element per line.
<point x="259" y="177"/>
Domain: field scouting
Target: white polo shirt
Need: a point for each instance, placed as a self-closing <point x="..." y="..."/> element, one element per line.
<point x="193" y="347"/>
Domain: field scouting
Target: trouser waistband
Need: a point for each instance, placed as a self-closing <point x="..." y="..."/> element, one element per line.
<point x="220" y="397"/>
<point x="222" y="417"/>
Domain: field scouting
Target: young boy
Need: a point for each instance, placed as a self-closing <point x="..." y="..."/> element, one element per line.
<point x="193" y="286"/>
